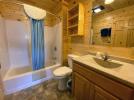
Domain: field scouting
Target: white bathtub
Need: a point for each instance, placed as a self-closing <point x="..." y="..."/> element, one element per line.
<point x="21" y="78"/>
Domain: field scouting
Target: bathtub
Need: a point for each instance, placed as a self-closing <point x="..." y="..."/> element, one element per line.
<point x="21" y="78"/>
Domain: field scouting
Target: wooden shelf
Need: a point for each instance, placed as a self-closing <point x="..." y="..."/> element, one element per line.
<point x="75" y="20"/>
<point x="73" y="17"/>
<point x="75" y="35"/>
<point x="72" y="26"/>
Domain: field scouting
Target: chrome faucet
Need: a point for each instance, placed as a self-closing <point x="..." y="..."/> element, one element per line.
<point x="105" y="56"/>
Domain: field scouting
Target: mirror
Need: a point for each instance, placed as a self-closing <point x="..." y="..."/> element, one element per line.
<point x="113" y="23"/>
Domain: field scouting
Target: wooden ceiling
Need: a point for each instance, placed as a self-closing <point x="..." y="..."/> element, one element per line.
<point x="117" y="4"/>
<point x="49" y="5"/>
<point x="52" y="6"/>
<point x="12" y="11"/>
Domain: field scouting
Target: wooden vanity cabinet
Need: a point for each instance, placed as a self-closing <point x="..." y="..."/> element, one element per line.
<point x="82" y="88"/>
<point x="100" y="94"/>
<point x="90" y="85"/>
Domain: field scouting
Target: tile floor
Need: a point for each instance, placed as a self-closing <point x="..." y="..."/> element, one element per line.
<point x="45" y="91"/>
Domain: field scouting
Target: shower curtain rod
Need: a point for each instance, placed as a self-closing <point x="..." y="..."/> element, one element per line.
<point x="41" y="8"/>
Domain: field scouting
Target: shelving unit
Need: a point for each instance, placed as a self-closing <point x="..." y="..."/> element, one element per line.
<point x="75" y="20"/>
<point x="73" y="26"/>
<point x="73" y="17"/>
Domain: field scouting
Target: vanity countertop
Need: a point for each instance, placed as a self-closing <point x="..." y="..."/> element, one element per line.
<point x="123" y="74"/>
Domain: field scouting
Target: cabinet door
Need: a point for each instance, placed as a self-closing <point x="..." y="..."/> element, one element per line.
<point x="120" y="38"/>
<point x="130" y="37"/>
<point x="83" y="89"/>
<point x="100" y="94"/>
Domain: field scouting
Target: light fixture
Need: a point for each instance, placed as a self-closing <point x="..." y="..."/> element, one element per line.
<point x="98" y="9"/>
<point x="108" y="1"/>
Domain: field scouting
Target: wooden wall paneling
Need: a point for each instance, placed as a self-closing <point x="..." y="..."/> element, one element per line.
<point x="12" y="11"/>
<point x="83" y="49"/>
<point x="131" y="21"/>
<point x="87" y="21"/>
<point x="65" y="37"/>
<point x="50" y="20"/>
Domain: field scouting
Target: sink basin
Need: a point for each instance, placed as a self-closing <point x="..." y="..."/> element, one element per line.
<point x="106" y="64"/>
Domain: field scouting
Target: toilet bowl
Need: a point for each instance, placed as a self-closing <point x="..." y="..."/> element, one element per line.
<point x="62" y="73"/>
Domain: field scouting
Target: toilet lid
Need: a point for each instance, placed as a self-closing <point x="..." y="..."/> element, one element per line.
<point x="62" y="71"/>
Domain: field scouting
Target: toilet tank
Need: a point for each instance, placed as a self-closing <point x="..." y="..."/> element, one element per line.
<point x="70" y="61"/>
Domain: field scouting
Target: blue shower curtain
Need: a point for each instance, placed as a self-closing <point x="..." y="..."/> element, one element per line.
<point x="37" y="27"/>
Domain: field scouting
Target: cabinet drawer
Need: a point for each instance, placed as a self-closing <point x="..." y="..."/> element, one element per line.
<point x="119" y="90"/>
<point x="100" y="94"/>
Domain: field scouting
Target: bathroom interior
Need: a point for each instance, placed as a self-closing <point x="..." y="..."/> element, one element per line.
<point x="66" y="49"/>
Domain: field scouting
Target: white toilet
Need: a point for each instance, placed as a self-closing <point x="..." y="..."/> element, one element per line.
<point x="62" y="73"/>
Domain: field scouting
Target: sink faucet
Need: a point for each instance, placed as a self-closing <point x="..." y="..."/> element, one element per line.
<point x="104" y="56"/>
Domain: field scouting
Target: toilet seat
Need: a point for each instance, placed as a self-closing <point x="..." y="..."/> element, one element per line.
<point x="62" y="71"/>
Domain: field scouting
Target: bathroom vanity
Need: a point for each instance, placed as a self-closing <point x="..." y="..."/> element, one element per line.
<point x="98" y="80"/>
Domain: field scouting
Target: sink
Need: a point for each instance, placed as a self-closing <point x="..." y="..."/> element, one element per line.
<point x="106" y="64"/>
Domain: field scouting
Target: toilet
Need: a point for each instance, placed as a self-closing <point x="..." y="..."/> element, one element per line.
<point x="62" y="73"/>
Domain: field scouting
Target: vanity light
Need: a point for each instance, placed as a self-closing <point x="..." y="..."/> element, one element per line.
<point x="108" y="1"/>
<point x="98" y="9"/>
